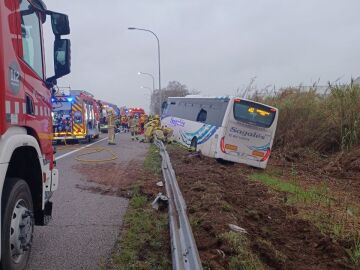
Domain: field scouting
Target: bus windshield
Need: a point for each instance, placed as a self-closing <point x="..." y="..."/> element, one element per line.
<point x="254" y="113"/>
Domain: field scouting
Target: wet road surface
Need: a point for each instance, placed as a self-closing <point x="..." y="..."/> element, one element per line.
<point x="85" y="225"/>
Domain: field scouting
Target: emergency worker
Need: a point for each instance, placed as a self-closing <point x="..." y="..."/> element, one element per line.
<point x="134" y="126"/>
<point x="146" y="119"/>
<point x="117" y="124"/>
<point x="151" y="128"/>
<point x="142" y="123"/>
<point x="111" y="127"/>
<point x="168" y="133"/>
<point x="124" y="123"/>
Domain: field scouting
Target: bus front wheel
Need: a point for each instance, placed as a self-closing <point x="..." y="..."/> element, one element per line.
<point x="193" y="145"/>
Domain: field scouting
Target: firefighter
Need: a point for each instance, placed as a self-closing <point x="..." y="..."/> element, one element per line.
<point x="142" y="123"/>
<point x="168" y="133"/>
<point x="151" y="128"/>
<point x="124" y="123"/>
<point x="111" y="127"/>
<point x="146" y="120"/>
<point x="134" y="127"/>
<point x="117" y="124"/>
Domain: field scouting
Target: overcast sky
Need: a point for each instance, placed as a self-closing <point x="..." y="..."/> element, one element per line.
<point x="211" y="46"/>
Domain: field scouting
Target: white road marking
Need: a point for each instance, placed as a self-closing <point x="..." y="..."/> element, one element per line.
<point x="77" y="150"/>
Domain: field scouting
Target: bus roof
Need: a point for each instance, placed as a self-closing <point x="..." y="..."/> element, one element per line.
<point x="220" y="98"/>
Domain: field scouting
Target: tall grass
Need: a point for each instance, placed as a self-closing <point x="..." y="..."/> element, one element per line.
<point x="324" y="122"/>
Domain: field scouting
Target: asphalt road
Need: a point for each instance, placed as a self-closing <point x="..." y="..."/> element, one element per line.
<point x="85" y="225"/>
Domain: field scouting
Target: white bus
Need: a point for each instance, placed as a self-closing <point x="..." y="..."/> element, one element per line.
<point x="228" y="128"/>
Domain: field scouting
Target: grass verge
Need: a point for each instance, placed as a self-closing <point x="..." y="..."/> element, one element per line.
<point x="297" y="194"/>
<point x="144" y="243"/>
<point x="242" y="258"/>
<point x="315" y="204"/>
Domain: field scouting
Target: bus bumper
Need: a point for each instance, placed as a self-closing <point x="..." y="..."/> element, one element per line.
<point x="243" y="160"/>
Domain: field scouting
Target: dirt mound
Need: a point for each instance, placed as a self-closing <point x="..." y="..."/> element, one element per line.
<point x="345" y="163"/>
<point x="218" y="195"/>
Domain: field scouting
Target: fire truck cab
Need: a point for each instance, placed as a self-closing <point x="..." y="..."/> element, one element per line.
<point x="28" y="176"/>
<point x="75" y="116"/>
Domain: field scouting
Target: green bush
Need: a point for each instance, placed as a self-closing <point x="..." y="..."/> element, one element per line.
<point x="325" y="123"/>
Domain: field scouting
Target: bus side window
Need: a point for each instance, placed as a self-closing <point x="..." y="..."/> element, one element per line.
<point x="202" y="116"/>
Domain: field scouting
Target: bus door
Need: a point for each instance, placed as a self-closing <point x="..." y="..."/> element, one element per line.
<point x="249" y="132"/>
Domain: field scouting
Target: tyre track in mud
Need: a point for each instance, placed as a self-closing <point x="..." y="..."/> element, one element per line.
<point x="218" y="195"/>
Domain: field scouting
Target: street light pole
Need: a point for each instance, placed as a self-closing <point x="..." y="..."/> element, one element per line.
<point x="150" y="75"/>
<point x="158" y="42"/>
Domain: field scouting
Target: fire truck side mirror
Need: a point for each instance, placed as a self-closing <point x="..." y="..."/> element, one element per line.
<point x="60" y="24"/>
<point x="62" y="57"/>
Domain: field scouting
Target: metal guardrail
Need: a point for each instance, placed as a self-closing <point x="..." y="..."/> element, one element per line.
<point x="184" y="252"/>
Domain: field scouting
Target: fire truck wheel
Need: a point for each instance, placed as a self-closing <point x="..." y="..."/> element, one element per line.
<point x="17" y="225"/>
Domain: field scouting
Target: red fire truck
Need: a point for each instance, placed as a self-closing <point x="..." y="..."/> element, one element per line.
<point x="75" y="116"/>
<point x="136" y="111"/>
<point x="28" y="176"/>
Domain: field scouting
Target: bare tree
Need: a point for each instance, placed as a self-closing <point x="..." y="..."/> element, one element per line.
<point x="173" y="89"/>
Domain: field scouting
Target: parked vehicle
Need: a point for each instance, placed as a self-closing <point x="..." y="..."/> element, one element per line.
<point x="136" y="111"/>
<point x="28" y="176"/>
<point x="75" y="116"/>
<point x="228" y="128"/>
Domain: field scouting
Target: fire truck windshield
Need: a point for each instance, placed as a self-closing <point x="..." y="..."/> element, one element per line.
<point x="61" y="106"/>
<point x="62" y="117"/>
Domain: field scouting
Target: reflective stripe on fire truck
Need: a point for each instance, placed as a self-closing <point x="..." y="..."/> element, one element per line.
<point x="16" y="109"/>
<point x="8" y="107"/>
<point x="12" y="118"/>
<point x="76" y="107"/>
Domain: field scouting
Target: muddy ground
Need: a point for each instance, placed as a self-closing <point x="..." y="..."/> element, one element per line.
<point x="280" y="234"/>
<point x="110" y="178"/>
